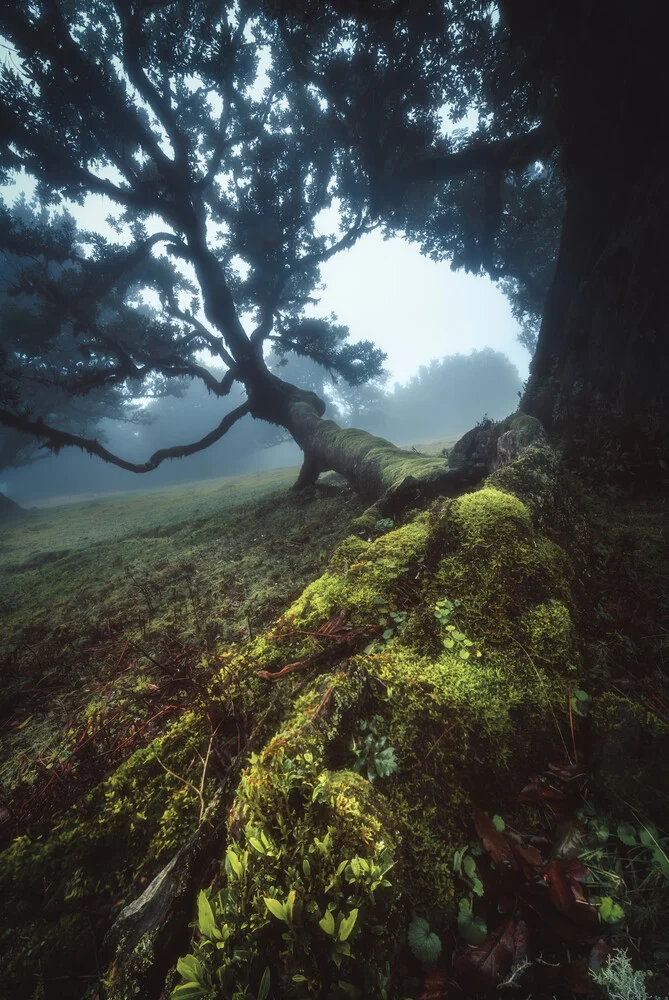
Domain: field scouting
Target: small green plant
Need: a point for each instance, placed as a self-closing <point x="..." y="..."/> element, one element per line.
<point x="395" y="623"/>
<point x="629" y="878"/>
<point x="455" y="639"/>
<point x="473" y="929"/>
<point x="297" y="898"/>
<point x="581" y="702"/>
<point x="384" y="524"/>
<point x="444" y="609"/>
<point x="464" y="865"/>
<point x="374" y="757"/>
<point x="423" y="942"/>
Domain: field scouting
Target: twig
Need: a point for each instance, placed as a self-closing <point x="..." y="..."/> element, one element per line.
<point x="571" y="726"/>
<point x="298" y="665"/>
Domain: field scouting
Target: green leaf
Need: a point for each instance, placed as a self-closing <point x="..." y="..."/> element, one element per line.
<point x="423" y="942"/>
<point x="477" y="886"/>
<point x="299" y="978"/>
<point x="581" y="695"/>
<point x="609" y="911"/>
<point x="306" y="867"/>
<point x="189" y="991"/>
<point x="469" y="866"/>
<point x="233" y="861"/>
<point x="459" y="636"/>
<point x="327" y="923"/>
<point x="290" y="904"/>
<point x="276" y="908"/>
<point x="498" y="823"/>
<point x="385" y="762"/>
<point x="388" y="634"/>
<point x="347" y="925"/>
<point x="449" y="643"/>
<point x="190" y="969"/>
<point x="626" y="833"/>
<point x="257" y="845"/>
<point x="648" y="835"/>
<point x="263" y="989"/>
<point x="464" y="654"/>
<point x="472" y="929"/>
<point x="205" y="918"/>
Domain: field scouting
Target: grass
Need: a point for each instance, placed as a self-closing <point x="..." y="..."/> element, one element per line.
<point x="112" y="603"/>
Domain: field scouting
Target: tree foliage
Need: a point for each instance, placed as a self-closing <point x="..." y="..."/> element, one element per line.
<point x="225" y="138"/>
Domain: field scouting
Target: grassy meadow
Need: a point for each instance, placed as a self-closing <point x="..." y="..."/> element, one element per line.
<point x="109" y="606"/>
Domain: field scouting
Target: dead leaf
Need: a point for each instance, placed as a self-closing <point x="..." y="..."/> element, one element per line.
<point x="559" y="888"/>
<point x="488" y="963"/>
<point x="529" y="859"/>
<point x="497" y="844"/>
<point x="521" y="942"/>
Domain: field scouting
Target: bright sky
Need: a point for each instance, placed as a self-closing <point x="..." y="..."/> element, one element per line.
<point x="416" y="309"/>
<point x="387" y="292"/>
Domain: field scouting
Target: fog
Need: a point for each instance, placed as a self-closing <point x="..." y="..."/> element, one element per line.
<point x="443" y="400"/>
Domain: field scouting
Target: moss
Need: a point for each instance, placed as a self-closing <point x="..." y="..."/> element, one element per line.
<point x="496" y="564"/>
<point x="465" y="733"/>
<point x="467" y="730"/>
<point x="548" y="630"/>
<point x="97" y="854"/>
<point x="362" y="577"/>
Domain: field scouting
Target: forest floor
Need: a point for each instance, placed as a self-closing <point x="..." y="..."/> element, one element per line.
<point x="111" y="610"/>
<point x="103" y="600"/>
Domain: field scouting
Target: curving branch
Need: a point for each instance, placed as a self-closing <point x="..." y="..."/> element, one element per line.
<point x="55" y="439"/>
<point x="515" y="152"/>
<point x="159" y="103"/>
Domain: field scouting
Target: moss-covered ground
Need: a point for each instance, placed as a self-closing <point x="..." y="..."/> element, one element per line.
<point x="365" y="704"/>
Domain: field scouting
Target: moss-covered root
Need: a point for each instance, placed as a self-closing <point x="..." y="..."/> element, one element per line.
<point x="459" y="695"/>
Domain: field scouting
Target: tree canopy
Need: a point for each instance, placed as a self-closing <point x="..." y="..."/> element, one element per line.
<point x="225" y="138"/>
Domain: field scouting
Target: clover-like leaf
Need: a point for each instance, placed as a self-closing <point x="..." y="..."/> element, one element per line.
<point x="423" y="942"/>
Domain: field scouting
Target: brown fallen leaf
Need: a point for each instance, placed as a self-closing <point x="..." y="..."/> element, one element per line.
<point x="529" y="859"/>
<point x="488" y="963"/>
<point x="497" y="844"/>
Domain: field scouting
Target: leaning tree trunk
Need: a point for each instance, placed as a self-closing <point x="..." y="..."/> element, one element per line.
<point x="601" y="368"/>
<point x="381" y="473"/>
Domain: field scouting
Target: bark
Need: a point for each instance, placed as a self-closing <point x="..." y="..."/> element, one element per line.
<point x="601" y="369"/>
<point x="372" y="466"/>
<point x="381" y="473"/>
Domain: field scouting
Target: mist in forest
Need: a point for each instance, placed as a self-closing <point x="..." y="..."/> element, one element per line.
<point x="443" y="400"/>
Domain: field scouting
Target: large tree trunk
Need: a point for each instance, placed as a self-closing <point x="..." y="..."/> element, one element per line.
<point x="601" y="368"/>
<point x="376" y="469"/>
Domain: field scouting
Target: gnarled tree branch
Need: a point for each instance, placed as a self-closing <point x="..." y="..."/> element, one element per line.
<point x="55" y="439"/>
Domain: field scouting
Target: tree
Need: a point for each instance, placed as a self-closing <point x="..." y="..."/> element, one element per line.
<point x="452" y="393"/>
<point x="155" y="108"/>
<point x="35" y="353"/>
<point x="601" y="369"/>
<point x="163" y="112"/>
<point x="547" y="92"/>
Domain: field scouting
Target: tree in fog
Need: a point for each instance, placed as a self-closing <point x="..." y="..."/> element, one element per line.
<point x="237" y="127"/>
<point x="39" y="355"/>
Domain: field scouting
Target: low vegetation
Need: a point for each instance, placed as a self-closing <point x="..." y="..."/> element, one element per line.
<point x="368" y="759"/>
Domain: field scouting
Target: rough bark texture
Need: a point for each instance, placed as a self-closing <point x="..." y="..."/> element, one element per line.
<point x="601" y="366"/>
